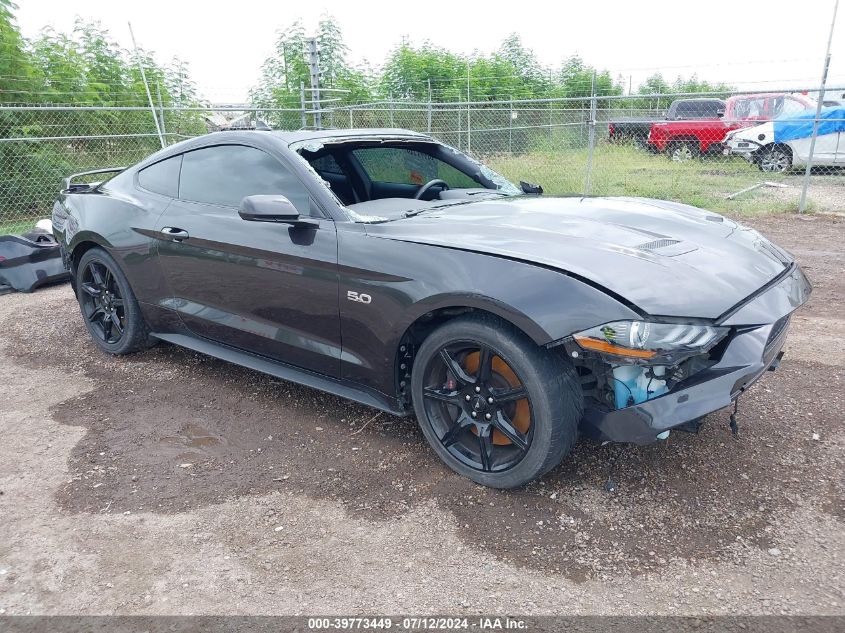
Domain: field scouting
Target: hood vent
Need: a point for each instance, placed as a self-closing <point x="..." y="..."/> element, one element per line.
<point x="663" y="243"/>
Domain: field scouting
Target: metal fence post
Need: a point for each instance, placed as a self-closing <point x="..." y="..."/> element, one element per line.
<point x="460" y="122"/>
<point x="510" y="126"/>
<point x="428" y="127"/>
<point x="302" y="102"/>
<point x="351" y="124"/>
<point x="803" y="200"/>
<point x="469" y="126"/>
<point x="588" y="178"/>
<point x="161" y="110"/>
<point x="146" y="86"/>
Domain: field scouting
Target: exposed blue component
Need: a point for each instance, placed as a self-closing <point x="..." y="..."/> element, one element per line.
<point x="634" y="384"/>
<point x="789" y="128"/>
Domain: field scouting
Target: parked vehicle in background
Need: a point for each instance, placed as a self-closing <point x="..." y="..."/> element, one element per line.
<point x="704" y="134"/>
<point x="780" y="145"/>
<point x="630" y="129"/>
<point x="637" y="129"/>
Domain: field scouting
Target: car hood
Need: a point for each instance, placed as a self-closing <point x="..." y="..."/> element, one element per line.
<point x="665" y="258"/>
<point x="751" y="133"/>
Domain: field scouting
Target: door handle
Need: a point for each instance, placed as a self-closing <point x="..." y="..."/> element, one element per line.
<point x="173" y="234"/>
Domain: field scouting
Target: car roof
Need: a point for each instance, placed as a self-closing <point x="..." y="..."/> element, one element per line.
<point x="345" y="134"/>
<point x="285" y="137"/>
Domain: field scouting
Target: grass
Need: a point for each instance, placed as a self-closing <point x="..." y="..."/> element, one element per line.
<point x="16" y="226"/>
<point x="620" y="170"/>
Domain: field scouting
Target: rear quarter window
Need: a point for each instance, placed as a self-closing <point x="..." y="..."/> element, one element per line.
<point x="697" y="109"/>
<point x="162" y="177"/>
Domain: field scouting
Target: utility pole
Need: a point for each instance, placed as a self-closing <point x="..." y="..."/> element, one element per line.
<point x="285" y="64"/>
<point x="314" y="69"/>
<point x="803" y="201"/>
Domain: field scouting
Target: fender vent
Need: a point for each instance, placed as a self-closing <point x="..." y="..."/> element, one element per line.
<point x="650" y="246"/>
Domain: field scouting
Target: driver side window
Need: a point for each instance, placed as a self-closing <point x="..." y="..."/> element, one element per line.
<point x="225" y="174"/>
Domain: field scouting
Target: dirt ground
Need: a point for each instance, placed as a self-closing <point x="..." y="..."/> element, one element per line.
<point x="172" y="483"/>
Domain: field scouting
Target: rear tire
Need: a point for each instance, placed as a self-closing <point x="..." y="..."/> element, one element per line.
<point x="495" y="406"/>
<point x="108" y="305"/>
<point x="682" y="151"/>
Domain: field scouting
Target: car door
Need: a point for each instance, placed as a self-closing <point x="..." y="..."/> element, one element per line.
<point x="264" y="287"/>
<point x="824" y="152"/>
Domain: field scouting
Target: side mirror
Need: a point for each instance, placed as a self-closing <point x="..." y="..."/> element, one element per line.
<point x="530" y="188"/>
<point x="720" y="112"/>
<point x="271" y="208"/>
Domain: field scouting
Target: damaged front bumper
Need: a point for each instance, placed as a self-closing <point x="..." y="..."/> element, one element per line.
<point x="29" y="261"/>
<point x="752" y="349"/>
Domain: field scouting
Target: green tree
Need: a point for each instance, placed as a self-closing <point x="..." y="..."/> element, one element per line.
<point x="17" y="75"/>
<point x="654" y="84"/>
<point x="535" y="78"/>
<point x="409" y="71"/>
<point x="83" y="67"/>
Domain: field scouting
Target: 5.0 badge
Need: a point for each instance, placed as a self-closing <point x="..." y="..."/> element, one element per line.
<point x="360" y="297"/>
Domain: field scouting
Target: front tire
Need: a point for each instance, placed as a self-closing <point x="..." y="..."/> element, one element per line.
<point x="775" y="160"/>
<point x="108" y="305"/>
<point x="493" y="405"/>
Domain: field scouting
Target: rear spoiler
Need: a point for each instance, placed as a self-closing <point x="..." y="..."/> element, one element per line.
<point x="73" y="187"/>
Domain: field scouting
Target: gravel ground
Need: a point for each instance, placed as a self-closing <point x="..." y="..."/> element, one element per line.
<point x="172" y="483"/>
<point x="825" y="193"/>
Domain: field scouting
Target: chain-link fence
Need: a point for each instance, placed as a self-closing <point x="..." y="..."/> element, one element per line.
<point x="41" y="145"/>
<point x="728" y="152"/>
<point x="740" y="152"/>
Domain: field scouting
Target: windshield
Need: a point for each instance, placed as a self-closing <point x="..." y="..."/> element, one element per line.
<point x="381" y="179"/>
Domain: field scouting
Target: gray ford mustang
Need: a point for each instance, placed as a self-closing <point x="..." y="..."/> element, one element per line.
<point x="393" y="270"/>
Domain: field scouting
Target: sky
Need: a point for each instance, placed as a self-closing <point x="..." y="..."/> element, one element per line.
<point x="753" y="44"/>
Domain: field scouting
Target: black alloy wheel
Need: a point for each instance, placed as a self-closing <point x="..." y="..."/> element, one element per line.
<point x="108" y="305"/>
<point x="479" y="408"/>
<point x="494" y="405"/>
<point x="101" y="302"/>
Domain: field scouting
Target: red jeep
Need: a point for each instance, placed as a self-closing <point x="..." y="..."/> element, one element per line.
<point x="698" y="126"/>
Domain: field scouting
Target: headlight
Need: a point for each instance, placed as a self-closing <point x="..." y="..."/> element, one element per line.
<point x="645" y="340"/>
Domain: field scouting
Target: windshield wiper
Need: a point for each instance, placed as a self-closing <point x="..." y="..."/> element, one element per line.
<point x="410" y="214"/>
